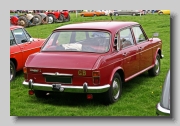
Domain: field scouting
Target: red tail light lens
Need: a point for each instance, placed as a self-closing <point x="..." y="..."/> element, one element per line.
<point x="96" y="77"/>
<point x="25" y="70"/>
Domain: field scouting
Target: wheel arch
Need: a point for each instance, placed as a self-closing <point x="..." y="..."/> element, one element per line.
<point x="15" y="62"/>
<point x="120" y="71"/>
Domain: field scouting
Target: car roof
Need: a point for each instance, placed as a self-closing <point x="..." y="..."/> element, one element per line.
<point x="12" y="27"/>
<point x="105" y="25"/>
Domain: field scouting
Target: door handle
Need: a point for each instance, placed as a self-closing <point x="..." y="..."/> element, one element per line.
<point x="140" y="48"/>
<point x="124" y="54"/>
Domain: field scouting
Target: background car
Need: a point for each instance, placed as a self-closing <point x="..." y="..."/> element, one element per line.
<point x="97" y="58"/>
<point x="91" y="13"/>
<point x="21" y="46"/>
<point x="163" y="107"/>
<point x="128" y="12"/>
<point x="164" y="12"/>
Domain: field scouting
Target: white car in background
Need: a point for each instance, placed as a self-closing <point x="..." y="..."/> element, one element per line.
<point x="129" y="12"/>
<point x="106" y="12"/>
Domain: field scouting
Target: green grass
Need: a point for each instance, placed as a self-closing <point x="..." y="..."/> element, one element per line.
<point x="139" y="97"/>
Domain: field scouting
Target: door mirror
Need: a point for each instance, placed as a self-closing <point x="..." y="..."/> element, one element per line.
<point x="31" y="39"/>
<point x="155" y="34"/>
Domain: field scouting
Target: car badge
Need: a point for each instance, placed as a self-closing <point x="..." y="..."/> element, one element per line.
<point x="34" y="70"/>
<point x="56" y="73"/>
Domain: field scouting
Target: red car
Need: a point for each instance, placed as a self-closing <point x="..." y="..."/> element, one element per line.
<point x="92" y="58"/>
<point x="21" y="46"/>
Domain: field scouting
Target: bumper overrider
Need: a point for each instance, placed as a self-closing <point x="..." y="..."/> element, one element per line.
<point x="66" y="88"/>
<point x="160" y="111"/>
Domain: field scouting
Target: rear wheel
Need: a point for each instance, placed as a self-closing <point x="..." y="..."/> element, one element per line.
<point x="23" y="21"/>
<point x="37" y="19"/>
<point x="82" y="15"/>
<point x="115" y="90"/>
<point x="12" y="71"/>
<point x="51" y="18"/>
<point x="156" y="69"/>
<point x="61" y="18"/>
<point x="68" y="18"/>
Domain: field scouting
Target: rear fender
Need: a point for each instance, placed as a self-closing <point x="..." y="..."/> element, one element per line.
<point x="114" y="71"/>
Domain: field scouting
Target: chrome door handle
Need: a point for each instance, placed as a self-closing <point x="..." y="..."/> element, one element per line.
<point x="140" y="48"/>
<point x="124" y="54"/>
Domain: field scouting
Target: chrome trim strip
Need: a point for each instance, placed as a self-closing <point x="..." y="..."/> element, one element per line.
<point x="58" y="74"/>
<point x="68" y="88"/>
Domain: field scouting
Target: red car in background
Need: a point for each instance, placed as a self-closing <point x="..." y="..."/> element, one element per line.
<point x="21" y="46"/>
<point x="92" y="58"/>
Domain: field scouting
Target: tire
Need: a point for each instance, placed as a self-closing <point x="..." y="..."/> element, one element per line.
<point x="12" y="71"/>
<point x="82" y="15"/>
<point x="68" y="18"/>
<point x="156" y="69"/>
<point x="133" y="14"/>
<point x="94" y="15"/>
<point x="45" y="20"/>
<point x="117" y="14"/>
<point x="160" y="13"/>
<point x="115" y="90"/>
<point x="40" y="94"/>
<point x="51" y="18"/>
<point x="23" y="21"/>
<point x="61" y="18"/>
<point x="37" y="19"/>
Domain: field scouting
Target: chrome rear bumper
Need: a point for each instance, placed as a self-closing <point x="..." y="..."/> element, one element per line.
<point x="67" y="88"/>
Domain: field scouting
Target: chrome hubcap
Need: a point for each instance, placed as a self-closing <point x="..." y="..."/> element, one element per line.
<point x="157" y="66"/>
<point x="116" y="85"/>
<point x="50" y="20"/>
<point x="11" y="72"/>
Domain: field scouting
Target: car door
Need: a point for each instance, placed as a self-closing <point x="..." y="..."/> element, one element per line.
<point x="23" y="40"/>
<point x="130" y="53"/>
<point x="15" y="52"/>
<point x="144" y="46"/>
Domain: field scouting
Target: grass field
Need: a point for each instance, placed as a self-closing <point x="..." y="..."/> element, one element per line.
<point x="139" y="97"/>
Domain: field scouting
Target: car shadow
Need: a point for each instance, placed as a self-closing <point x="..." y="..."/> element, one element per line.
<point x="80" y="99"/>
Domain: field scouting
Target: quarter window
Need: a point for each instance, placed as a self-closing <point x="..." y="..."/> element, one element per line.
<point x="139" y="36"/>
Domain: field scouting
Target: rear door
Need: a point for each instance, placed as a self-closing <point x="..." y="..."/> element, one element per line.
<point x="130" y="53"/>
<point x="144" y="47"/>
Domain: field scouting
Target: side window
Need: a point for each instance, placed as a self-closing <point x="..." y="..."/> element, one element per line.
<point x="27" y="35"/>
<point x="126" y="38"/>
<point x="20" y="36"/>
<point x="139" y="36"/>
<point x="12" y="40"/>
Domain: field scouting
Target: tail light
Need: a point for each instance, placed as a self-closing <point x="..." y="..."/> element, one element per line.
<point x="96" y="77"/>
<point x="25" y="70"/>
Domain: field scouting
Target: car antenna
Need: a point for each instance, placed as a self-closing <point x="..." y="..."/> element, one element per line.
<point x="110" y="14"/>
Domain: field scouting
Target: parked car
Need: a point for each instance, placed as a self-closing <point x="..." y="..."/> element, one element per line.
<point x="21" y="46"/>
<point x="58" y="16"/>
<point x="92" y="13"/>
<point x="164" y="12"/>
<point x="163" y="107"/>
<point x="92" y="58"/>
<point x="129" y="12"/>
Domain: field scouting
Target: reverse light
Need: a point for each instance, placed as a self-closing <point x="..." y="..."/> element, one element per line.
<point x="96" y="77"/>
